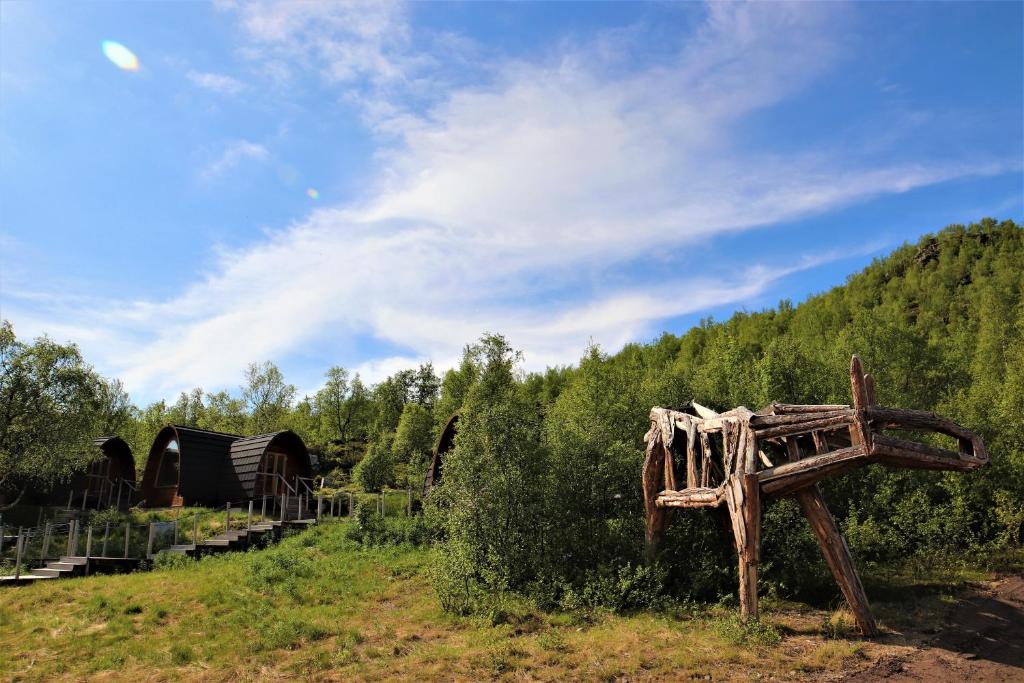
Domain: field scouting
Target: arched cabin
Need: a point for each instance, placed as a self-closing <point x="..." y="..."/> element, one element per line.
<point x="107" y="481"/>
<point x="189" y="466"/>
<point x="269" y="465"/>
<point x="445" y="442"/>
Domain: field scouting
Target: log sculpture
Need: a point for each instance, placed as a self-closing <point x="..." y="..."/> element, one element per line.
<point x="740" y="458"/>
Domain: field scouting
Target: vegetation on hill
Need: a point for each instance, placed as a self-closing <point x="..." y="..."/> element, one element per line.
<point x="541" y="495"/>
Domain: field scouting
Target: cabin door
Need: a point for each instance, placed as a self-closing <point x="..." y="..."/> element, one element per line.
<point x="98" y="477"/>
<point x="276" y="470"/>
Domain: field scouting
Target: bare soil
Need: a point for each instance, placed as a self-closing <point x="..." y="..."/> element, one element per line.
<point x="982" y="640"/>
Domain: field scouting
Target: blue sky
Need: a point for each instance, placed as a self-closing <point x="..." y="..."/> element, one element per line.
<point x="561" y="173"/>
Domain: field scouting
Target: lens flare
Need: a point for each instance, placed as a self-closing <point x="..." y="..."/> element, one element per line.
<point x="312" y="194"/>
<point x="122" y="57"/>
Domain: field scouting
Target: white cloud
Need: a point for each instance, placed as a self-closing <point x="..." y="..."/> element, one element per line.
<point x="233" y="155"/>
<point x="508" y="206"/>
<point x="218" y="83"/>
<point x="344" y="40"/>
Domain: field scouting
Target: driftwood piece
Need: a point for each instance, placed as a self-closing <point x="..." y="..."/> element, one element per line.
<point x="735" y="479"/>
<point x="833" y="547"/>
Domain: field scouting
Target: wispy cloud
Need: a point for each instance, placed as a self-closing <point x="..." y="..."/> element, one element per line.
<point x="344" y="40"/>
<point x="233" y="155"/>
<point x="218" y="83"/>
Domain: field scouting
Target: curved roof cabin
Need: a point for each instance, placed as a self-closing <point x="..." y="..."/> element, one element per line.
<point x="106" y="481"/>
<point x="445" y="442"/>
<point x="267" y="464"/>
<point x="189" y="466"/>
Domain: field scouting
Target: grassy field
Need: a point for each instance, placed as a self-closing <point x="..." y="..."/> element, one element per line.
<point x="320" y="606"/>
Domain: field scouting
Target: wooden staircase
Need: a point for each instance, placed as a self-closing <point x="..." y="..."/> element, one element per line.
<point x="236" y="539"/>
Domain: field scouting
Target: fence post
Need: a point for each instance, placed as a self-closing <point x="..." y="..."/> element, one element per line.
<point x="248" y="521"/>
<point x="71" y="529"/>
<point x="149" y="543"/>
<point x="120" y="482"/>
<point x="227" y="517"/>
<point x="17" y="555"/>
<point x="85" y="497"/>
<point x="46" y="542"/>
<point x="127" y="537"/>
<point x="195" y="528"/>
<point x="106" y="536"/>
<point x="408" y="491"/>
<point x="319" y="505"/>
<point x="284" y="505"/>
<point x="88" y="547"/>
<point x="263" y="509"/>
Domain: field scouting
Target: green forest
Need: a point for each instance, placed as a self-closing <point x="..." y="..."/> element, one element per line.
<point x="541" y="495"/>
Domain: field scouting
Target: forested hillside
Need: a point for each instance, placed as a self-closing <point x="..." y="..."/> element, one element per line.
<point x="549" y="501"/>
<point x="542" y="492"/>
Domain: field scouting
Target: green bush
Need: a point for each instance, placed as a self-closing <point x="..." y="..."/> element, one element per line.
<point x="168" y="560"/>
<point x="376" y="470"/>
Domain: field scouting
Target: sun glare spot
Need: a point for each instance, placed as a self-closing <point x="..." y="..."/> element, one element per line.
<point x="122" y="57"/>
<point x="312" y="193"/>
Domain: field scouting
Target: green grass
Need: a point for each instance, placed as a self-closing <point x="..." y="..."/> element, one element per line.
<point x="319" y="605"/>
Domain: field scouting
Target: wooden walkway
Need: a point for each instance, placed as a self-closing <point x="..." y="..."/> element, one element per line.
<point x="240" y="539"/>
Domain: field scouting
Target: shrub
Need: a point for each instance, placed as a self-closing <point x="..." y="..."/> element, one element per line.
<point x="376" y="470"/>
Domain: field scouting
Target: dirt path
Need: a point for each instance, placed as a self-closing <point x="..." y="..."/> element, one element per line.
<point x="983" y="640"/>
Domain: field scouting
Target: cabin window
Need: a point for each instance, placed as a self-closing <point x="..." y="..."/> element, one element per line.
<point x="169" y="464"/>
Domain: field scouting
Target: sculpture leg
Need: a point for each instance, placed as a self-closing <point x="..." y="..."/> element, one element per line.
<point x="838" y="557"/>
<point x="743" y="497"/>
<point x="833" y="546"/>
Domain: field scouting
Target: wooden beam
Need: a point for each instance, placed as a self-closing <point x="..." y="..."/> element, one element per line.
<point x="792" y="476"/>
<point x="691" y="458"/>
<point x="834" y="549"/>
<point x="743" y="501"/>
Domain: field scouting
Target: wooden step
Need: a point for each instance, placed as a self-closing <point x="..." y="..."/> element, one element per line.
<point x="47" y="572"/>
<point x="63" y="566"/>
<point x="24" y="578"/>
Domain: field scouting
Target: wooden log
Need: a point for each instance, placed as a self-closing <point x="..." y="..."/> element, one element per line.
<point x="859" y="432"/>
<point x="653" y="477"/>
<point x="894" y="452"/>
<point x="699" y="497"/>
<point x="805" y="427"/>
<point x="783" y="479"/>
<point x="834" y="549"/>
<point x="784" y="408"/>
<point x="691" y="458"/>
<point x="705" y="464"/>
<point x="969" y="444"/>
<point x="728" y="448"/>
<point x="670" y="473"/>
<point x="749" y="445"/>
<point x="744" y="505"/>
<point x="869" y="386"/>
<point x="760" y="422"/>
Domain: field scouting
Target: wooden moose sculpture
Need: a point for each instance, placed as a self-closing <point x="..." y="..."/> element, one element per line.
<point x="740" y="458"/>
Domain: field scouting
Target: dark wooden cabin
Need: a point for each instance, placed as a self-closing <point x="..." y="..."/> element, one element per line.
<point x="268" y="465"/>
<point x="107" y="481"/>
<point x="189" y="466"/>
<point x="445" y="442"/>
